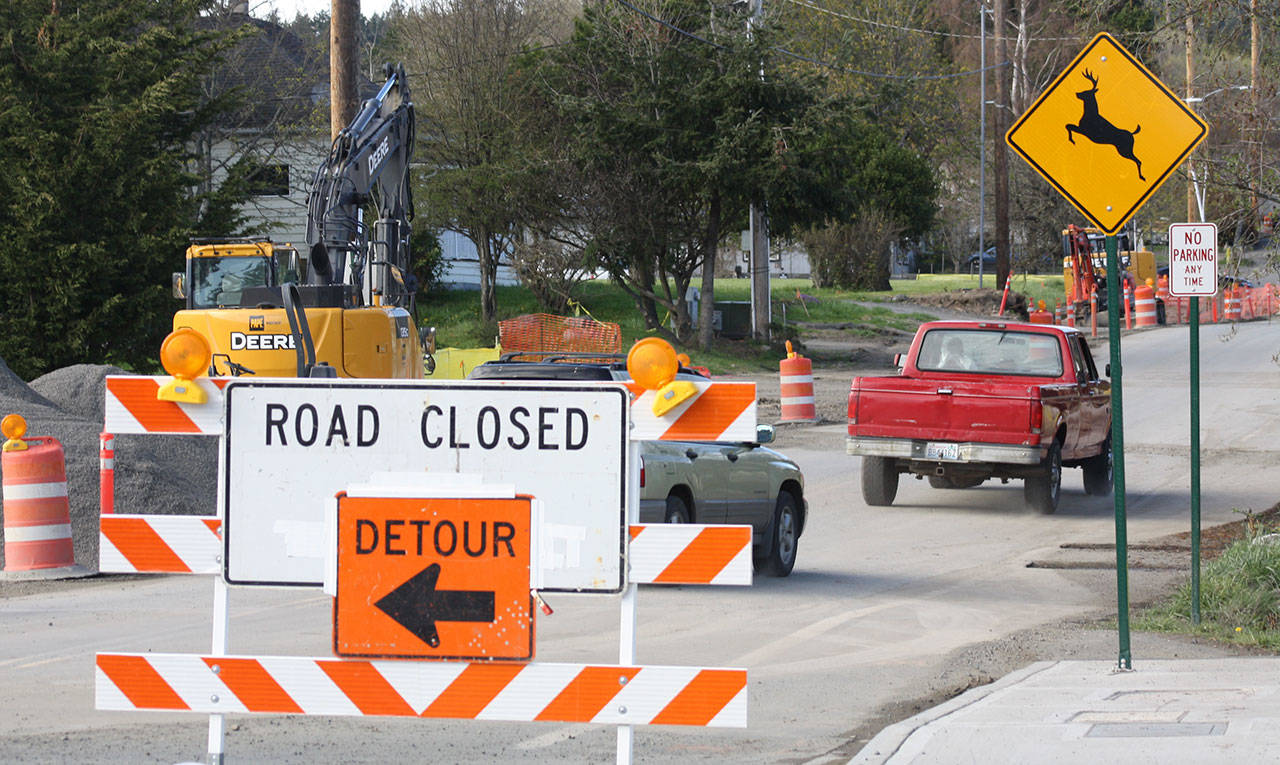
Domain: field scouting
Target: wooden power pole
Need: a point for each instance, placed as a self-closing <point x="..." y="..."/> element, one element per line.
<point x="1000" y="150"/>
<point x="344" y="93"/>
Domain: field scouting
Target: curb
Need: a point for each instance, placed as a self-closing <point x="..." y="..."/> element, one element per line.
<point x="885" y="744"/>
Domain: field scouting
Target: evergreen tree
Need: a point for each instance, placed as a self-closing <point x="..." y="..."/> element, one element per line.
<point x="99" y="101"/>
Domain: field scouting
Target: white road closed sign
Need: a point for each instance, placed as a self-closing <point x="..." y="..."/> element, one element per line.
<point x="1193" y="259"/>
<point x="291" y="445"/>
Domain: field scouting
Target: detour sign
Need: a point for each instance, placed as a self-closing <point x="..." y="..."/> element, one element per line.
<point x="433" y="578"/>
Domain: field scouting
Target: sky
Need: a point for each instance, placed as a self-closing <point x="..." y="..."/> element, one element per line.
<point x="289" y="8"/>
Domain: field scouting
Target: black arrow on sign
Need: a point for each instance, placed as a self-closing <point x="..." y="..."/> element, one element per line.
<point x="417" y="605"/>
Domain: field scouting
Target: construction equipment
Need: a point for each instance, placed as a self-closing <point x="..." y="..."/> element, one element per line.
<point x="345" y="308"/>
<point x="1084" y="264"/>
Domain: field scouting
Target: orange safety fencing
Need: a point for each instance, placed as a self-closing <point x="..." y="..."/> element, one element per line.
<point x="1230" y="304"/>
<point x="544" y="332"/>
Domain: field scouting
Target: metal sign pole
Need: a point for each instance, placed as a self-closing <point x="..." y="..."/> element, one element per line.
<point x="627" y="633"/>
<point x="1195" y="460"/>
<point x="221" y="626"/>
<point x="1117" y="450"/>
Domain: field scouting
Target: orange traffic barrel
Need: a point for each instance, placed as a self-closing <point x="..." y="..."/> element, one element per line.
<point x="37" y="516"/>
<point x="1231" y="303"/>
<point x="1041" y="317"/>
<point x="796" y="373"/>
<point x="1144" y="303"/>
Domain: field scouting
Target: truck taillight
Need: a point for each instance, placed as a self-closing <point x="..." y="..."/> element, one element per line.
<point x="642" y="472"/>
<point x="1037" y="415"/>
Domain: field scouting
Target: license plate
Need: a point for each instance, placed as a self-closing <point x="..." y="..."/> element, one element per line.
<point x="939" y="451"/>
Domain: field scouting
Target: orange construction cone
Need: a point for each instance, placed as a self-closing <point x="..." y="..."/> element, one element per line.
<point x="37" y="517"/>
<point x="796" y="375"/>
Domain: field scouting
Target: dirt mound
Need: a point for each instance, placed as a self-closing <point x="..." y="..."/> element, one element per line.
<point x="980" y="302"/>
<point x="153" y="474"/>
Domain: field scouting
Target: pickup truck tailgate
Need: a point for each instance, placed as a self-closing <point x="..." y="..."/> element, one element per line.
<point x="945" y="410"/>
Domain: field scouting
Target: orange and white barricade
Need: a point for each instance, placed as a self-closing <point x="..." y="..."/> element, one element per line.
<point x="159" y="544"/>
<point x="499" y="691"/>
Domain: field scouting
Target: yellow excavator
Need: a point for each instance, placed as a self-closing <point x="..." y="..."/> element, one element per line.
<point x="345" y="306"/>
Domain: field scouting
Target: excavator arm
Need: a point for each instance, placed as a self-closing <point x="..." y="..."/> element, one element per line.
<point x="368" y="163"/>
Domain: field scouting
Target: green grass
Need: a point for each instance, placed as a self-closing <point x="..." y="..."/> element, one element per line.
<point x="1239" y="599"/>
<point x="456" y="314"/>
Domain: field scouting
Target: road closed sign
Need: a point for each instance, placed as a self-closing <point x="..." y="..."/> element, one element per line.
<point x="291" y="445"/>
<point x="1193" y="259"/>
<point x="444" y="578"/>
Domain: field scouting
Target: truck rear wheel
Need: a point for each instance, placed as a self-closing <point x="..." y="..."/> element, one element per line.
<point x="1043" y="491"/>
<point x="879" y="481"/>
<point x="1097" y="473"/>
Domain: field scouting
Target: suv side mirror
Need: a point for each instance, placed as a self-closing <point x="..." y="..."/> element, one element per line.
<point x="765" y="434"/>
<point x="1107" y="371"/>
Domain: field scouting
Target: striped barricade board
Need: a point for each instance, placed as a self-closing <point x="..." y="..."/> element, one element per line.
<point x="721" y="411"/>
<point x="132" y="407"/>
<point x="659" y="553"/>
<point x="688" y="553"/>
<point x="499" y="691"/>
<point x="159" y="544"/>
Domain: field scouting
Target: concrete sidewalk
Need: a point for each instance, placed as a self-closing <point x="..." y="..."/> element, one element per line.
<point x="1164" y="711"/>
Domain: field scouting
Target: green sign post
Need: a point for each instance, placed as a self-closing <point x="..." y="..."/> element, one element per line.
<point x="1106" y="133"/>
<point x="1114" y="303"/>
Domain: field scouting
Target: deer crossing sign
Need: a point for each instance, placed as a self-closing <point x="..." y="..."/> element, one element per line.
<point x="1106" y="133"/>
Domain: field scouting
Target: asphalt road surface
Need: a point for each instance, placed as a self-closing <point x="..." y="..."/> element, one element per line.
<point x="885" y="606"/>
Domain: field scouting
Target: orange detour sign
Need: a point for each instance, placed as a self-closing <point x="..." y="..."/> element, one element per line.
<point x="433" y="578"/>
<point x="1106" y="133"/>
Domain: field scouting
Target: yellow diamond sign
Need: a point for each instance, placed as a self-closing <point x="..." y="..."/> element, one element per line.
<point x="1106" y="133"/>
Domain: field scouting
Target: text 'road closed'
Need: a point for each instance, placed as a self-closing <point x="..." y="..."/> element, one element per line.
<point x="544" y="428"/>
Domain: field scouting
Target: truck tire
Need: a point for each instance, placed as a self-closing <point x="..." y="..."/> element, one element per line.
<point x="1098" y="479"/>
<point x="1042" y="492"/>
<point x="879" y="481"/>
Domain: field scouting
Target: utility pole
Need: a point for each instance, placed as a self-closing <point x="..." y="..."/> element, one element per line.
<point x="982" y="138"/>
<point x="1191" y="73"/>
<point x="1000" y="150"/>
<point x="760" y="298"/>
<point x="344" y="94"/>
<point x="1255" y="219"/>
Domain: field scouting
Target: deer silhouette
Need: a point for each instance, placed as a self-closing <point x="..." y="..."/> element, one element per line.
<point x="1097" y="129"/>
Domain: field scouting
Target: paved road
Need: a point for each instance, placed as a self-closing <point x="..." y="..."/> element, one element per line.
<point x="871" y="616"/>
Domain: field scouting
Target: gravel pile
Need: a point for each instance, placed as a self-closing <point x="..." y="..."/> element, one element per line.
<point x="175" y="475"/>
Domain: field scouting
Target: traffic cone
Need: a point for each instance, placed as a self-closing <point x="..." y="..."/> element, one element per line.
<point x="37" y="516"/>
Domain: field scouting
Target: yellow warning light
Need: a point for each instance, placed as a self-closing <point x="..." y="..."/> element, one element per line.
<point x="14" y="427"/>
<point x="185" y="354"/>
<point x="653" y="364"/>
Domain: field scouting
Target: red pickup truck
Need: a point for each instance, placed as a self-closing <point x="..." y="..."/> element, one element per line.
<point x="985" y="399"/>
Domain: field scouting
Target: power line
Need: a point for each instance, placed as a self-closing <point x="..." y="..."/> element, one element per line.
<point x="917" y="30"/>
<point x="817" y="62"/>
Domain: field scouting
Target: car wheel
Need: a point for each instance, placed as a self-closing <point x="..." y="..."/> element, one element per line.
<point x="1098" y="478"/>
<point x="939" y="482"/>
<point x="786" y="536"/>
<point x="879" y="481"/>
<point x="1042" y="492"/>
<point x="677" y="510"/>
